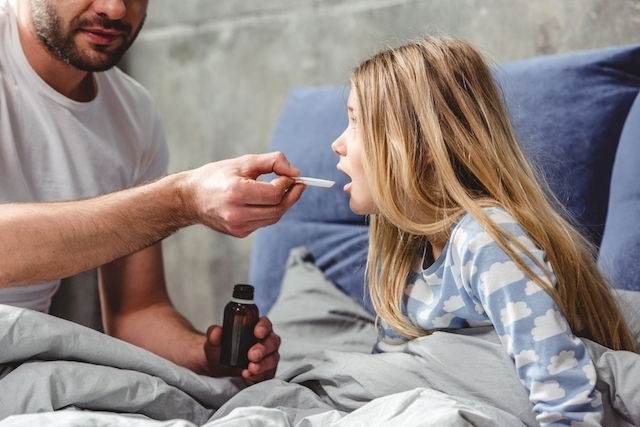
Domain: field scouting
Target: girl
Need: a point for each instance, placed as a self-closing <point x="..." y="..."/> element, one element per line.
<point x="461" y="232"/>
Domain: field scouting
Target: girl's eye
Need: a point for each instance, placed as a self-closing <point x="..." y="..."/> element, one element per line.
<point x="352" y="121"/>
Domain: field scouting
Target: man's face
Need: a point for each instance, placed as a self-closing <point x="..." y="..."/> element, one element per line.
<point x="91" y="35"/>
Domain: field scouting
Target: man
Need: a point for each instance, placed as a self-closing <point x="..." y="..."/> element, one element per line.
<point x="72" y="127"/>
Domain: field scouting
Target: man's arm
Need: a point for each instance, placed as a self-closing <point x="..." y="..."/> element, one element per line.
<point x="47" y="241"/>
<point x="136" y="308"/>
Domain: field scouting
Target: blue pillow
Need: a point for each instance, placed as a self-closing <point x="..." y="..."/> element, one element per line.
<point x="619" y="256"/>
<point x="568" y="110"/>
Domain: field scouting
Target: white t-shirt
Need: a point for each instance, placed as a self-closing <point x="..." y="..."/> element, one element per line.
<point x="53" y="148"/>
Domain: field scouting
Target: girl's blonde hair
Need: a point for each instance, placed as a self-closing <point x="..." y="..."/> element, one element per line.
<point x="438" y="144"/>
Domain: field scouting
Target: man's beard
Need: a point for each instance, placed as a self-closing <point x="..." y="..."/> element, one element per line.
<point x="48" y="27"/>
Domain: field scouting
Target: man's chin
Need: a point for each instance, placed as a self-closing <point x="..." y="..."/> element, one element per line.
<point x="93" y="67"/>
<point x="97" y="61"/>
<point x="92" y="57"/>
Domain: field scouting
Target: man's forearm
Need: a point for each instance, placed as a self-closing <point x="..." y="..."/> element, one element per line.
<point x="162" y="330"/>
<point x="47" y="241"/>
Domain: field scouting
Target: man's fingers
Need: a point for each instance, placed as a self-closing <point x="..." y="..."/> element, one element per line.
<point x="293" y="195"/>
<point x="263" y="328"/>
<point x="214" y="335"/>
<point x="262" y="193"/>
<point x="259" y="215"/>
<point x="275" y="162"/>
<point x="267" y="346"/>
<point x="264" y="370"/>
<point x="264" y="348"/>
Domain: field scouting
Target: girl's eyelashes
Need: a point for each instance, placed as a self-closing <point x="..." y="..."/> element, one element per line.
<point x="352" y="121"/>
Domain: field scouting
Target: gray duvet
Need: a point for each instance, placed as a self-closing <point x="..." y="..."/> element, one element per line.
<point x="56" y="373"/>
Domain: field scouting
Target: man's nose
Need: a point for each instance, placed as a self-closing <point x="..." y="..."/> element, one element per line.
<point x="112" y="9"/>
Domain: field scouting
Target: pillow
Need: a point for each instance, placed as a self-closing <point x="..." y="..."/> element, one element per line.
<point x="619" y="257"/>
<point x="568" y="110"/>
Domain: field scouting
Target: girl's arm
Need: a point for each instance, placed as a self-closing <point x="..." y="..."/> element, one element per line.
<point x="553" y="364"/>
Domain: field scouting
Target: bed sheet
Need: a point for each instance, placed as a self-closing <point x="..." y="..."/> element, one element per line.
<point x="55" y="373"/>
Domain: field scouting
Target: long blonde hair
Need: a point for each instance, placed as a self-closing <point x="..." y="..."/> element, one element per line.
<point x="438" y="144"/>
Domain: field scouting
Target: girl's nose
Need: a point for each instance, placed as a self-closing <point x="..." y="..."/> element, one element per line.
<point x="338" y="145"/>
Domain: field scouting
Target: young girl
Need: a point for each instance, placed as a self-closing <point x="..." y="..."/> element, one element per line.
<point x="461" y="232"/>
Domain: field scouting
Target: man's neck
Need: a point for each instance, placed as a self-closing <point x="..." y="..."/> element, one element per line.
<point x="71" y="82"/>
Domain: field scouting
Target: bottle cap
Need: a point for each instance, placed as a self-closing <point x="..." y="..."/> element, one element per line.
<point x="242" y="291"/>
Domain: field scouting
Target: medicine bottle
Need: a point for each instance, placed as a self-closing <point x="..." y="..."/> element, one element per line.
<point x="240" y="318"/>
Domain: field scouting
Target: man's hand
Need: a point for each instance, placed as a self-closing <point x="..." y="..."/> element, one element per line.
<point x="226" y="196"/>
<point x="263" y="356"/>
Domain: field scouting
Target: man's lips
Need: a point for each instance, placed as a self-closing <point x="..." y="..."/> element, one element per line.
<point x="101" y="36"/>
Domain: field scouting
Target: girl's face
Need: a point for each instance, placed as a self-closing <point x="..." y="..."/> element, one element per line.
<point x="349" y="146"/>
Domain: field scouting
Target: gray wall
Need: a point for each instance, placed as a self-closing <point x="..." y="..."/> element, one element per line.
<point x="220" y="71"/>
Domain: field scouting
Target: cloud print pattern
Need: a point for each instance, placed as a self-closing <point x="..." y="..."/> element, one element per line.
<point x="475" y="283"/>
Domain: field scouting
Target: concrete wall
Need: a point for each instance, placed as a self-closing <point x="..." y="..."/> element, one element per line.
<point x="221" y="70"/>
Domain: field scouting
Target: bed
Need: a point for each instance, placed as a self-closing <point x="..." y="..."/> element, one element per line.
<point x="58" y="373"/>
<point x="578" y="117"/>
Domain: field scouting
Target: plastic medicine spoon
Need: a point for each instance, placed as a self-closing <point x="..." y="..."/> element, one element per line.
<point x="315" y="182"/>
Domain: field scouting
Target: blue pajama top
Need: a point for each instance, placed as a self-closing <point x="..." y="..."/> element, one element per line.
<point x="475" y="283"/>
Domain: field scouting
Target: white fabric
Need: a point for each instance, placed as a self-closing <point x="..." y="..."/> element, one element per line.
<point x="420" y="407"/>
<point x="53" y="148"/>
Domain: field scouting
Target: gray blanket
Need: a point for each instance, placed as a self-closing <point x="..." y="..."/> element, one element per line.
<point x="53" y="372"/>
<point x="48" y="364"/>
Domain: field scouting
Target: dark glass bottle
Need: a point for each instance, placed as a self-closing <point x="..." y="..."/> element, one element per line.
<point x="240" y="318"/>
